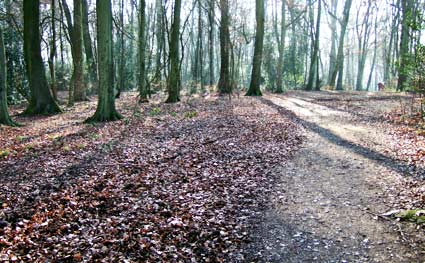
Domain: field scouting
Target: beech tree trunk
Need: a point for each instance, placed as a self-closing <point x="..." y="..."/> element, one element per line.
<point x="173" y="82"/>
<point x="334" y="40"/>
<point x="224" y="83"/>
<point x="41" y="100"/>
<point x="339" y="67"/>
<point x="52" y="55"/>
<point x="4" y="113"/>
<point x="88" y="48"/>
<point x="254" y="87"/>
<point x="211" y="15"/>
<point x="281" y="49"/>
<point x="77" y="58"/>
<point x="143" y="88"/>
<point x="106" y="100"/>
<point x="407" y="8"/>
<point x="313" y="73"/>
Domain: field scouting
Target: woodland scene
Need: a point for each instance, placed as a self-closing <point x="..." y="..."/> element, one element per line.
<point x="212" y="131"/>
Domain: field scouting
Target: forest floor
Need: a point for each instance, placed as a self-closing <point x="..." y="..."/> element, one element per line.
<point x="301" y="177"/>
<point x="361" y="158"/>
<point x="169" y="183"/>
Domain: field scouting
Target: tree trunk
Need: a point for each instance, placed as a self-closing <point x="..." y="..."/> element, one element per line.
<point x="375" y="51"/>
<point x="41" y="101"/>
<point x="211" y="15"/>
<point x="200" y="48"/>
<point x="90" y="61"/>
<point x="106" y="100"/>
<point x="293" y="61"/>
<point x="339" y="67"/>
<point x="254" y="87"/>
<point x="173" y="82"/>
<point x="143" y="88"/>
<point x="77" y="46"/>
<point x="315" y="57"/>
<point x="332" y="25"/>
<point x="52" y="55"/>
<point x="363" y="35"/>
<point x="406" y="6"/>
<point x="159" y="32"/>
<point x="281" y="48"/>
<point x="4" y="113"/>
<point x="122" y="62"/>
<point x="224" y="83"/>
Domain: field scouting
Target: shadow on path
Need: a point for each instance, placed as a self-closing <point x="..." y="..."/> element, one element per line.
<point x="387" y="161"/>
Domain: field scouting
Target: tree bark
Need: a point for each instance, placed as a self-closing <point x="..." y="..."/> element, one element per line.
<point x="52" y="55"/>
<point x="281" y="49"/>
<point x="339" y="67"/>
<point x="106" y="110"/>
<point x="4" y="113"/>
<point x="77" y="47"/>
<point x="224" y="83"/>
<point x="159" y="32"/>
<point x="333" y="55"/>
<point x="143" y="88"/>
<point x="254" y="87"/>
<point x="211" y="15"/>
<point x="363" y="35"/>
<point x="88" y="48"/>
<point x="173" y="82"/>
<point x="314" y="57"/>
<point x="41" y="100"/>
<point x="407" y="7"/>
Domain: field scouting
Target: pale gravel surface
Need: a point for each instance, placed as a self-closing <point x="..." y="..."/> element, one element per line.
<point x="325" y="206"/>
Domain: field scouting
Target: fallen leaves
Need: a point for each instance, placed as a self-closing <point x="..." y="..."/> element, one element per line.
<point x="172" y="183"/>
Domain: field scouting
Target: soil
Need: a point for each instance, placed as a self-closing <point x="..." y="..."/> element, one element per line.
<point x="328" y="202"/>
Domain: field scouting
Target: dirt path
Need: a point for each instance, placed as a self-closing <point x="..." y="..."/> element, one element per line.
<point x="324" y="206"/>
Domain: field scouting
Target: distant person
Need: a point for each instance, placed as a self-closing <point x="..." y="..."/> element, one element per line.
<point x="381" y="86"/>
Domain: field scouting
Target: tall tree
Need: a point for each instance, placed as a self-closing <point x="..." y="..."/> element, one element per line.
<point x="224" y="83"/>
<point x="339" y="66"/>
<point x="88" y="47"/>
<point x="334" y="40"/>
<point x="391" y="49"/>
<point x="76" y="91"/>
<point x="173" y="81"/>
<point x="4" y="113"/>
<point x="313" y="74"/>
<point x="281" y="47"/>
<point x="211" y="21"/>
<point x="200" y="49"/>
<point x="106" y="110"/>
<point x="159" y="32"/>
<point x="254" y="87"/>
<point x="121" y="47"/>
<point x="77" y="50"/>
<point x="363" y="30"/>
<point x="294" y="40"/>
<point x="375" y="51"/>
<point x="143" y="87"/>
<point x="406" y="9"/>
<point x="52" y="55"/>
<point x="41" y="100"/>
